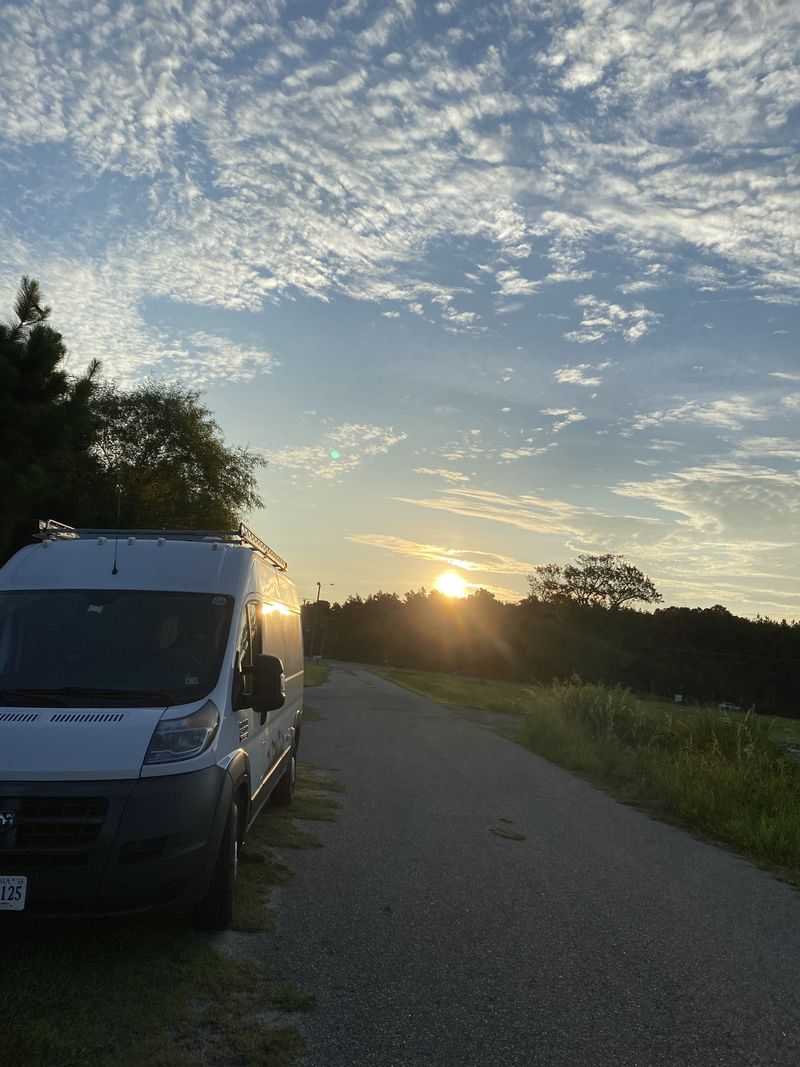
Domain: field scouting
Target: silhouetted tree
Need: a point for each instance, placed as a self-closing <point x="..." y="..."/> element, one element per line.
<point x="47" y="425"/>
<point x="607" y="580"/>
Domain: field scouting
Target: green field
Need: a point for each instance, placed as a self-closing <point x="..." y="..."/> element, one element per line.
<point x="719" y="774"/>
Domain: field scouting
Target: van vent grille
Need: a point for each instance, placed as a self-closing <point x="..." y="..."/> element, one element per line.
<point x="18" y="716"/>
<point x="86" y="716"/>
<point x="44" y="822"/>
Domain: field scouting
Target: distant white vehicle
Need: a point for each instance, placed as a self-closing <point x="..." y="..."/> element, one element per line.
<point x="724" y="706"/>
<point x="151" y="690"/>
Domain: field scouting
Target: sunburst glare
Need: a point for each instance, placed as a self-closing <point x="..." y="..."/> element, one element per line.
<point x="451" y="584"/>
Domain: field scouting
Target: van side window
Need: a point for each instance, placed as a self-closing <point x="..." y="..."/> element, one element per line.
<point x="256" y="621"/>
<point x="250" y="644"/>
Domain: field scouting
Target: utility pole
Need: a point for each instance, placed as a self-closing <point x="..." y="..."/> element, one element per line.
<point x="315" y="626"/>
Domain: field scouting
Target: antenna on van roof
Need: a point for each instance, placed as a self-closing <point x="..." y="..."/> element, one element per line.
<point x="50" y="530"/>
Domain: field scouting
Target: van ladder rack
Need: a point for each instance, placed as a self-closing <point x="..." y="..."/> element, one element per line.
<point x="249" y="538"/>
<point x="50" y="530"/>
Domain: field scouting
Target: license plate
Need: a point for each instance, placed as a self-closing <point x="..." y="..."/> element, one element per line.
<point x="12" y="892"/>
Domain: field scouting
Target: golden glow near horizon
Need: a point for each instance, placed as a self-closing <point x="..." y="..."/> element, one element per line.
<point x="451" y="584"/>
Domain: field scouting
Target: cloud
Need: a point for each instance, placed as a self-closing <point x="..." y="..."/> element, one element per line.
<point x="601" y="319"/>
<point x="778" y="447"/>
<point x="577" y="375"/>
<point x="210" y="358"/>
<point x="471" y="560"/>
<point x="443" y="473"/>
<point x="565" y="417"/>
<point x="528" y="512"/>
<point x="525" y="452"/>
<point x="656" y="444"/>
<point x="511" y="283"/>
<point x="733" y="534"/>
<point x="472" y="446"/>
<point x="727" y="497"/>
<point x="727" y="414"/>
<point x="644" y="285"/>
<point x="557" y="277"/>
<point x="341" y="450"/>
<point x="366" y="139"/>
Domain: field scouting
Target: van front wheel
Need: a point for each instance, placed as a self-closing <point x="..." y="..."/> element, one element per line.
<point x="215" y="910"/>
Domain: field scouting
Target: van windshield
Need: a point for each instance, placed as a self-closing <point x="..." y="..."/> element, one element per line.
<point x="79" y="648"/>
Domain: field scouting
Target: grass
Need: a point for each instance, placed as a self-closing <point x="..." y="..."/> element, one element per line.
<point x="718" y="774"/>
<point x="315" y="672"/>
<point x="463" y="692"/>
<point x="278" y="829"/>
<point x="130" y="991"/>
<point x="514" y="698"/>
<point x="780" y="730"/>
<point x="134" y="991"/>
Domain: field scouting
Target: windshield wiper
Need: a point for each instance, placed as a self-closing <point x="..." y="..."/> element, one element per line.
<point x="90" y="691"/>
<point x="9" y="697"/>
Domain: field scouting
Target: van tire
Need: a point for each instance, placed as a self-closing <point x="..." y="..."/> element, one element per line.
<point x="284" y="790"/>
<point x="215" y="910"/>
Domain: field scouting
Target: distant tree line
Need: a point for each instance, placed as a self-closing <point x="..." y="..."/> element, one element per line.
<point x="707" y="655"/>
<point x="92" y="453"/>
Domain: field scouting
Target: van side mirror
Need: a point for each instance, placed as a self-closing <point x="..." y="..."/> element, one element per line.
<point x="268" y="684"/>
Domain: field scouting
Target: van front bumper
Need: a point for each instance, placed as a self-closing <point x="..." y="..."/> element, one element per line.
<point x="116" y="846"/>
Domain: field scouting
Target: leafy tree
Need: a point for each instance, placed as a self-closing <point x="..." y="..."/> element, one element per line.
<point x="163" y="461"/>
<point x="46" y="421"/>
<point x="607" y="580"/>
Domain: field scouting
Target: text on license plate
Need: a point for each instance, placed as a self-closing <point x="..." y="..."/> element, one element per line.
<point x="12" y="892"/>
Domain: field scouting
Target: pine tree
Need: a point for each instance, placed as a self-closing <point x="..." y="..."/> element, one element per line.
<point x="46" y="422"/>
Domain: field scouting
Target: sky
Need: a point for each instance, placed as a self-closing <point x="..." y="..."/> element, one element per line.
<point x="487" y="284"/>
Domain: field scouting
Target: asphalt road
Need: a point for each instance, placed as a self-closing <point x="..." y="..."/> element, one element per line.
<point x="602" y="938"/>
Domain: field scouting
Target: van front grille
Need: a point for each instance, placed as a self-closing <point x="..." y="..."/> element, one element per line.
<point x="13" y="861"/>
<point x="44" y="823"/>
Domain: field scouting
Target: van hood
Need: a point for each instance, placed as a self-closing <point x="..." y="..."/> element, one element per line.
<point x="87" y="744"/>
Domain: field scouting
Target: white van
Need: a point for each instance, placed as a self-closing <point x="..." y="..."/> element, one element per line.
<point x="151" y="689"/>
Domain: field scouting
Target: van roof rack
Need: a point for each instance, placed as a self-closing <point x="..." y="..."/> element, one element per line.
<point x="50" y="530"/>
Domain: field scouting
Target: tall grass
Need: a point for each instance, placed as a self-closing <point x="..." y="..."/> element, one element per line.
<point x="719" y="776"/>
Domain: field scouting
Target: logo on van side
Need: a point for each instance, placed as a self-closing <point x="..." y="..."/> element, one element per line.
<point x="7" y="820"/>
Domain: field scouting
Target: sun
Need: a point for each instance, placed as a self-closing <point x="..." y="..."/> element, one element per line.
<point x="451" y="584"/>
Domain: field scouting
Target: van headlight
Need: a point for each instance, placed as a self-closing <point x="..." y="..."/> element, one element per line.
<point x="179" y="739"/>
